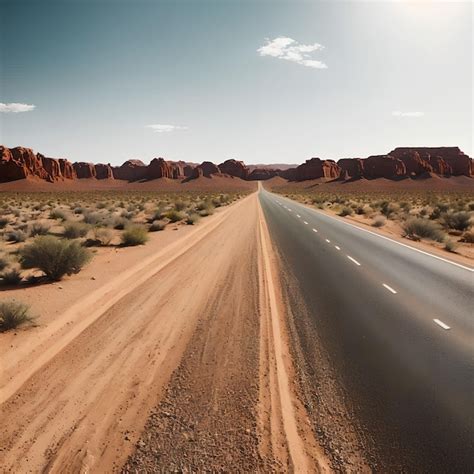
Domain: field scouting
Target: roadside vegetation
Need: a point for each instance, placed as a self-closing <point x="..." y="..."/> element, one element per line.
<point x="444" y="220"/>
<point x="45" y="236"/>
<point x="14" y="314"/>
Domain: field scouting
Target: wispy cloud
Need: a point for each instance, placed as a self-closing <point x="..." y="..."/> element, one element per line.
<point x="15" y="107"/>
<point x="398" y="113"/>
<point x="290" y="50"/>
<point x="164" y="128"/>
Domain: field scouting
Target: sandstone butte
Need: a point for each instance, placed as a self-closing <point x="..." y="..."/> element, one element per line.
<point x="406" y="162"/>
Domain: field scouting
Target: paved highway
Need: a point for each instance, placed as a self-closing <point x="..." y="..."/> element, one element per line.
<point x="398" y="324"/>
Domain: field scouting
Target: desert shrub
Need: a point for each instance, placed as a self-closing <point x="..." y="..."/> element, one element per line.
<point x="379" y="221"/>
<point x="74" y="230"/>
<point x="157" y="226"/>
<point x="104" y="236"/>
<point x="127" y="214"/>
<point x="417" y="228"/>
<point x="92" y="218"/>
<point x="346" y="211"/>
<point x="205" y="207"/>
<point x="206" y="212"/>
<point x="39" y="228"/>
<point x="180" y="205"/>
<point x="120" y="223"/>
<point x="3" y="263"/>
<point x="11" y="276"/>
<point x="224" y="198"/>
<point x="58" y="214"/>
<point x="175" y="216"/>
<point x="457" y="220"/>
<point x="13" y="314"/>
<point x="388" y="209"/>
<point x="134" y="235"/>
<point x="423" y="212"/>
<point x="438" y="210"/>
<point x="192" y="218"/>
<point x="15" y="236"/>
<point x="79" y="210"/>
<point x="3" y="222"/>
<point x="450" y="245"/>
<point x="468" y="237"/>
<point x="54" y="257"/>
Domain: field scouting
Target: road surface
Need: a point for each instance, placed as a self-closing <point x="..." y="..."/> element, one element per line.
<point x="398" y="327"/>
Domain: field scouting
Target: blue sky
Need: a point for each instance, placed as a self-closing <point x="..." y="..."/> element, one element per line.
<point x="260" y="81"/>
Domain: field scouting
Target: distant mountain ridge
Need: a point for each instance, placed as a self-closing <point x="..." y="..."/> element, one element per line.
<point x="404" y="162"/>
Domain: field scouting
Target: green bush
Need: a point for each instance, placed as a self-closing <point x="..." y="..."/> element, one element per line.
<point x="74" y="230"/>
<point x="54" y="257"/>
<point x="104" y="236"/>
<point x="13" y="314"/>
<point x="11" y="277"/>
<point x="192" y="219"/>
<point x="346" y="211"/>
<point x="92" y="218"/>
<point x="3" y="263"/>
<point x="39" y="228"/>
<point x="468" y="237"/>
<point x="58" y="214"/>
<point x="157" y="226"/>
<point x="457" y="220"/>
<point x="120" y="223"/>
<point x="180" y="205"/>
<point x="15" y="236"/>
<point x="175" y="216"/>
<point x="134" y="235"/>
<point x="379" y="221"/>
<point x="417" y="228"/>
<point x="451" y="245"/>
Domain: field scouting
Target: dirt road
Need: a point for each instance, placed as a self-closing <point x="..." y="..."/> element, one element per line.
<point x="180" y="362"/>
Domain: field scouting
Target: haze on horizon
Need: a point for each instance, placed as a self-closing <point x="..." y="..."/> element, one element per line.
<point x="261" y="82"/>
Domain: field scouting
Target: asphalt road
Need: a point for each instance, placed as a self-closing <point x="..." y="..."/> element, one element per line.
<point x="399" y="326"/>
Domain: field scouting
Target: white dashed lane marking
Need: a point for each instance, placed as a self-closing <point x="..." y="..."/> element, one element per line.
<point x="337" y="247"/>
<point x="297" y="215"/>
<point x="441" y="324"/>
<point x="305" y="222"/>
<point x="353" y="260"/>
<point x="389" y="288"/>
<point x="314" y="230"/>
<point x="328" y="241"/>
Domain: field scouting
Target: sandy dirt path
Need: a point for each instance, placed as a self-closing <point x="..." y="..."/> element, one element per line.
<point x="194" y="331"/>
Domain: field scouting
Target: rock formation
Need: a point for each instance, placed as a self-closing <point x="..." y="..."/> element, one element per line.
<point x="103" y="171"/>
<point x="131" y="170"/>
<point x="67" y="169"/>
<point x="206" y="168"/>
<point x="353" y="168"/>
<point x="234" y="168"/>
<point x="316" y="168"/>
<point x="406" y="162"/>
<point x="384" y="166"/>
<point x="260" y="174"/>
<point x="458" y="162"/>
<point x="84" y="170"/>
<point x="52" y="168"/>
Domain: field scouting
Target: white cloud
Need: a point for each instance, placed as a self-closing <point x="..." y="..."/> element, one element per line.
<point x="15" y="107"/>
<point x="398" y="113"/>
<point x="290" y="50"/>
<point x="163" y="128"/>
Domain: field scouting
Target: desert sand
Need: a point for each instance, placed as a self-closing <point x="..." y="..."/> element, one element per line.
<point x="174" y="329"/>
